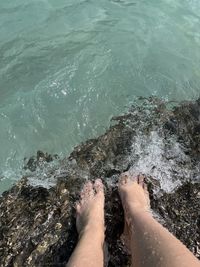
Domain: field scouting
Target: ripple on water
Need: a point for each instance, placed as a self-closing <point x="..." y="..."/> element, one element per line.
<point x="68" y="66"/>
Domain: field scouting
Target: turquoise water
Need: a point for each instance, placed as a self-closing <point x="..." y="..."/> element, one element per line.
<point x="66" y="67"/>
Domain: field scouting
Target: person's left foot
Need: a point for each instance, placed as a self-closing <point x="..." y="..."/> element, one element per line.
<point x="90" y="208"/>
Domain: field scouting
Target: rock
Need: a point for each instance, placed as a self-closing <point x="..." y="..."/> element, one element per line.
<point x="37" y="225"/>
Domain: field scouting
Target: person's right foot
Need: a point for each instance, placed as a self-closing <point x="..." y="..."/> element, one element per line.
<point x="133" y="192"/>
<point x="135" y="197"/>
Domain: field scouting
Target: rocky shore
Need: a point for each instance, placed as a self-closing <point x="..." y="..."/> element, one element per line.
<point x="37" y="223"/>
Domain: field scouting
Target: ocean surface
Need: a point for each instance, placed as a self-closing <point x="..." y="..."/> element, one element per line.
<point x="66" y="67"/>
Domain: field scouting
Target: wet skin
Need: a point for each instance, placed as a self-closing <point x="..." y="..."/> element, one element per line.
<point x="149" y="242"/>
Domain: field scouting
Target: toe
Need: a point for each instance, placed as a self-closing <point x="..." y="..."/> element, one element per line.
<point x="98" y="186"/>
<point x="123" y="178"/>
<point x="145" y="187"/>
<point x="141" y="180"/>
<point x="87" y="191"/>
<point x="78" y="206"/>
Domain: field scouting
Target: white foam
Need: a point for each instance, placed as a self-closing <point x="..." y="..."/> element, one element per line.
<point x="45" y="174"/>
<point x="155" y="156"/>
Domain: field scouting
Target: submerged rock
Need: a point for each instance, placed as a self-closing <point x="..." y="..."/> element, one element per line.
<point x="37" y="224"/>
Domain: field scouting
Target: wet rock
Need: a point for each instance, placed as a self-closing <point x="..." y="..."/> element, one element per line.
<point x="37" y="224"/>
<point x="35" y="161"/>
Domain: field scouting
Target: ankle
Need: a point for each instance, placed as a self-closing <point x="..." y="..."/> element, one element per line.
<point x="133" y="207"/>
<point x="138" y="212"/>
<point x="133" y="210"/>
<point x="93" y="231"/>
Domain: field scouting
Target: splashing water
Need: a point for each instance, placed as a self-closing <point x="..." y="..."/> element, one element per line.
<point x="67" y="67"/>
<point x="162" y="159"/>
<point x="45" y="174"/>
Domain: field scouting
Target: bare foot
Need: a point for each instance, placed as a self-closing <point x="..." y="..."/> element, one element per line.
<point x="133" y="192"/>
<point x="135" y="197"/>
<point x="90" y="208"/>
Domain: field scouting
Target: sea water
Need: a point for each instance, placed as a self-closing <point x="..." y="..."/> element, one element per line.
<point x="66" y="67"/>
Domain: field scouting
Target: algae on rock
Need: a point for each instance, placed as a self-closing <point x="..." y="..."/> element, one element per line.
<point x="37" y="224"/>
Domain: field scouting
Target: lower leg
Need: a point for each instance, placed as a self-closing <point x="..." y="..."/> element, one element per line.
<point x="150" y="243"/>
<point x="90" y="225"/>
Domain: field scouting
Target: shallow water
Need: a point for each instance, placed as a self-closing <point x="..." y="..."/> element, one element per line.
<point x="68" y="66"/>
